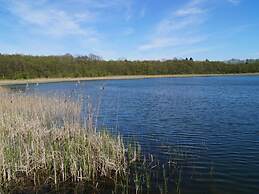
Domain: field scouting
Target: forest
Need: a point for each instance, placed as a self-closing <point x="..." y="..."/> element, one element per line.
<point x="27" y="67"/>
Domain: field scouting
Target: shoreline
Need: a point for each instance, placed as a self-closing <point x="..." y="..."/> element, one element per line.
<point x="122" y="77"/>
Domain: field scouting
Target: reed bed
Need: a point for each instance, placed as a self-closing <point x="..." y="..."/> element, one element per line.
<point x="43" y="142"/>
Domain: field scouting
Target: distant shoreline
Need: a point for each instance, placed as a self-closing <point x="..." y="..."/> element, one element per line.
<point x="122" y="77"/>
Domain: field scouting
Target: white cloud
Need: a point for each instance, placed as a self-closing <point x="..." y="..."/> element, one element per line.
<point x="193" y="7"/>
<point x="235" y="2"/>
<point x="161" y="42"/>
<point x="52" y="21"/>
<point x="102" y="3"/>
<point x="177" y="29"/>
<point x="190" y="11"/>
<point x="125" y="6"/>
<point x="70" y="25"/>
<point x="170" y="25"/>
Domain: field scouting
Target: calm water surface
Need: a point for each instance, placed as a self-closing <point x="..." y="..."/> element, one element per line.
<point x="208" y="125"/>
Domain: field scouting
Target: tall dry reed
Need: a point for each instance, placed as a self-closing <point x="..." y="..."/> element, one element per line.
<point x="42" y="141"/>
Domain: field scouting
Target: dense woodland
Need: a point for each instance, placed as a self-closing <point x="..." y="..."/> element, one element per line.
<point x="24" y="67"/>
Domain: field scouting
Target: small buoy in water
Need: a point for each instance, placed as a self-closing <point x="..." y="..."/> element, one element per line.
<point x="102" y="88"/>
<point x="37" y="84"/>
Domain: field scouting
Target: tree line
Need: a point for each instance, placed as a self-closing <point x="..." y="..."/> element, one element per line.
<point x="26" y="67"/>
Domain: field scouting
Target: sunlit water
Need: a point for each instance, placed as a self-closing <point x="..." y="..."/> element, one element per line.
<point x="209" y="126"/>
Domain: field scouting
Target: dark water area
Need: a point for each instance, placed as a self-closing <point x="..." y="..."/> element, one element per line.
<point x="208" y="126"/>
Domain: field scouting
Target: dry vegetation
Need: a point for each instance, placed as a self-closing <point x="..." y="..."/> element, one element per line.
<point x="43" y="142"/>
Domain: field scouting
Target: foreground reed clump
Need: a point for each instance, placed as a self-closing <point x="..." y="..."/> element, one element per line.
<point x="42" y="142"/>
<point x="50" y="141"/>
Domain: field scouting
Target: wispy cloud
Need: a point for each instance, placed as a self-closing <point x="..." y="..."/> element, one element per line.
<point x="113" y="5"/>
<point x="235" y="2"/>
<point x="106" y="26"/>
<point x="178" y="27"/>
<point x="76" y="25"/>
<point x="161" y="42"/>
<point x="50" y="20"/>
<point x="102" y="3"/>
<point x="194" y="7"/>
<point x="189" y="11"/>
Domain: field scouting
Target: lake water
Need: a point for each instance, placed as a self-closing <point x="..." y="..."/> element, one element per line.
<point x="209" y="126"/>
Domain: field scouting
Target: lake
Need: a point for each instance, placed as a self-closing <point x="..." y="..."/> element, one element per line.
<point x="209" y="126"/>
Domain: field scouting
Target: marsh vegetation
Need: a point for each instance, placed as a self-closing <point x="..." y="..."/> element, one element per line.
<point x="44" y="144"/>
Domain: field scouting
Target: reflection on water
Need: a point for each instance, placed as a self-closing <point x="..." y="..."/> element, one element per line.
<point x="208" y="126"/>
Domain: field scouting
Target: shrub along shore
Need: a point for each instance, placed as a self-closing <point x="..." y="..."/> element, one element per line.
<point x="66" y="66"/>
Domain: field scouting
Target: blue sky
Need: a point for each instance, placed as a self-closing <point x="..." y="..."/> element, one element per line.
<point x="132" y="29"/>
